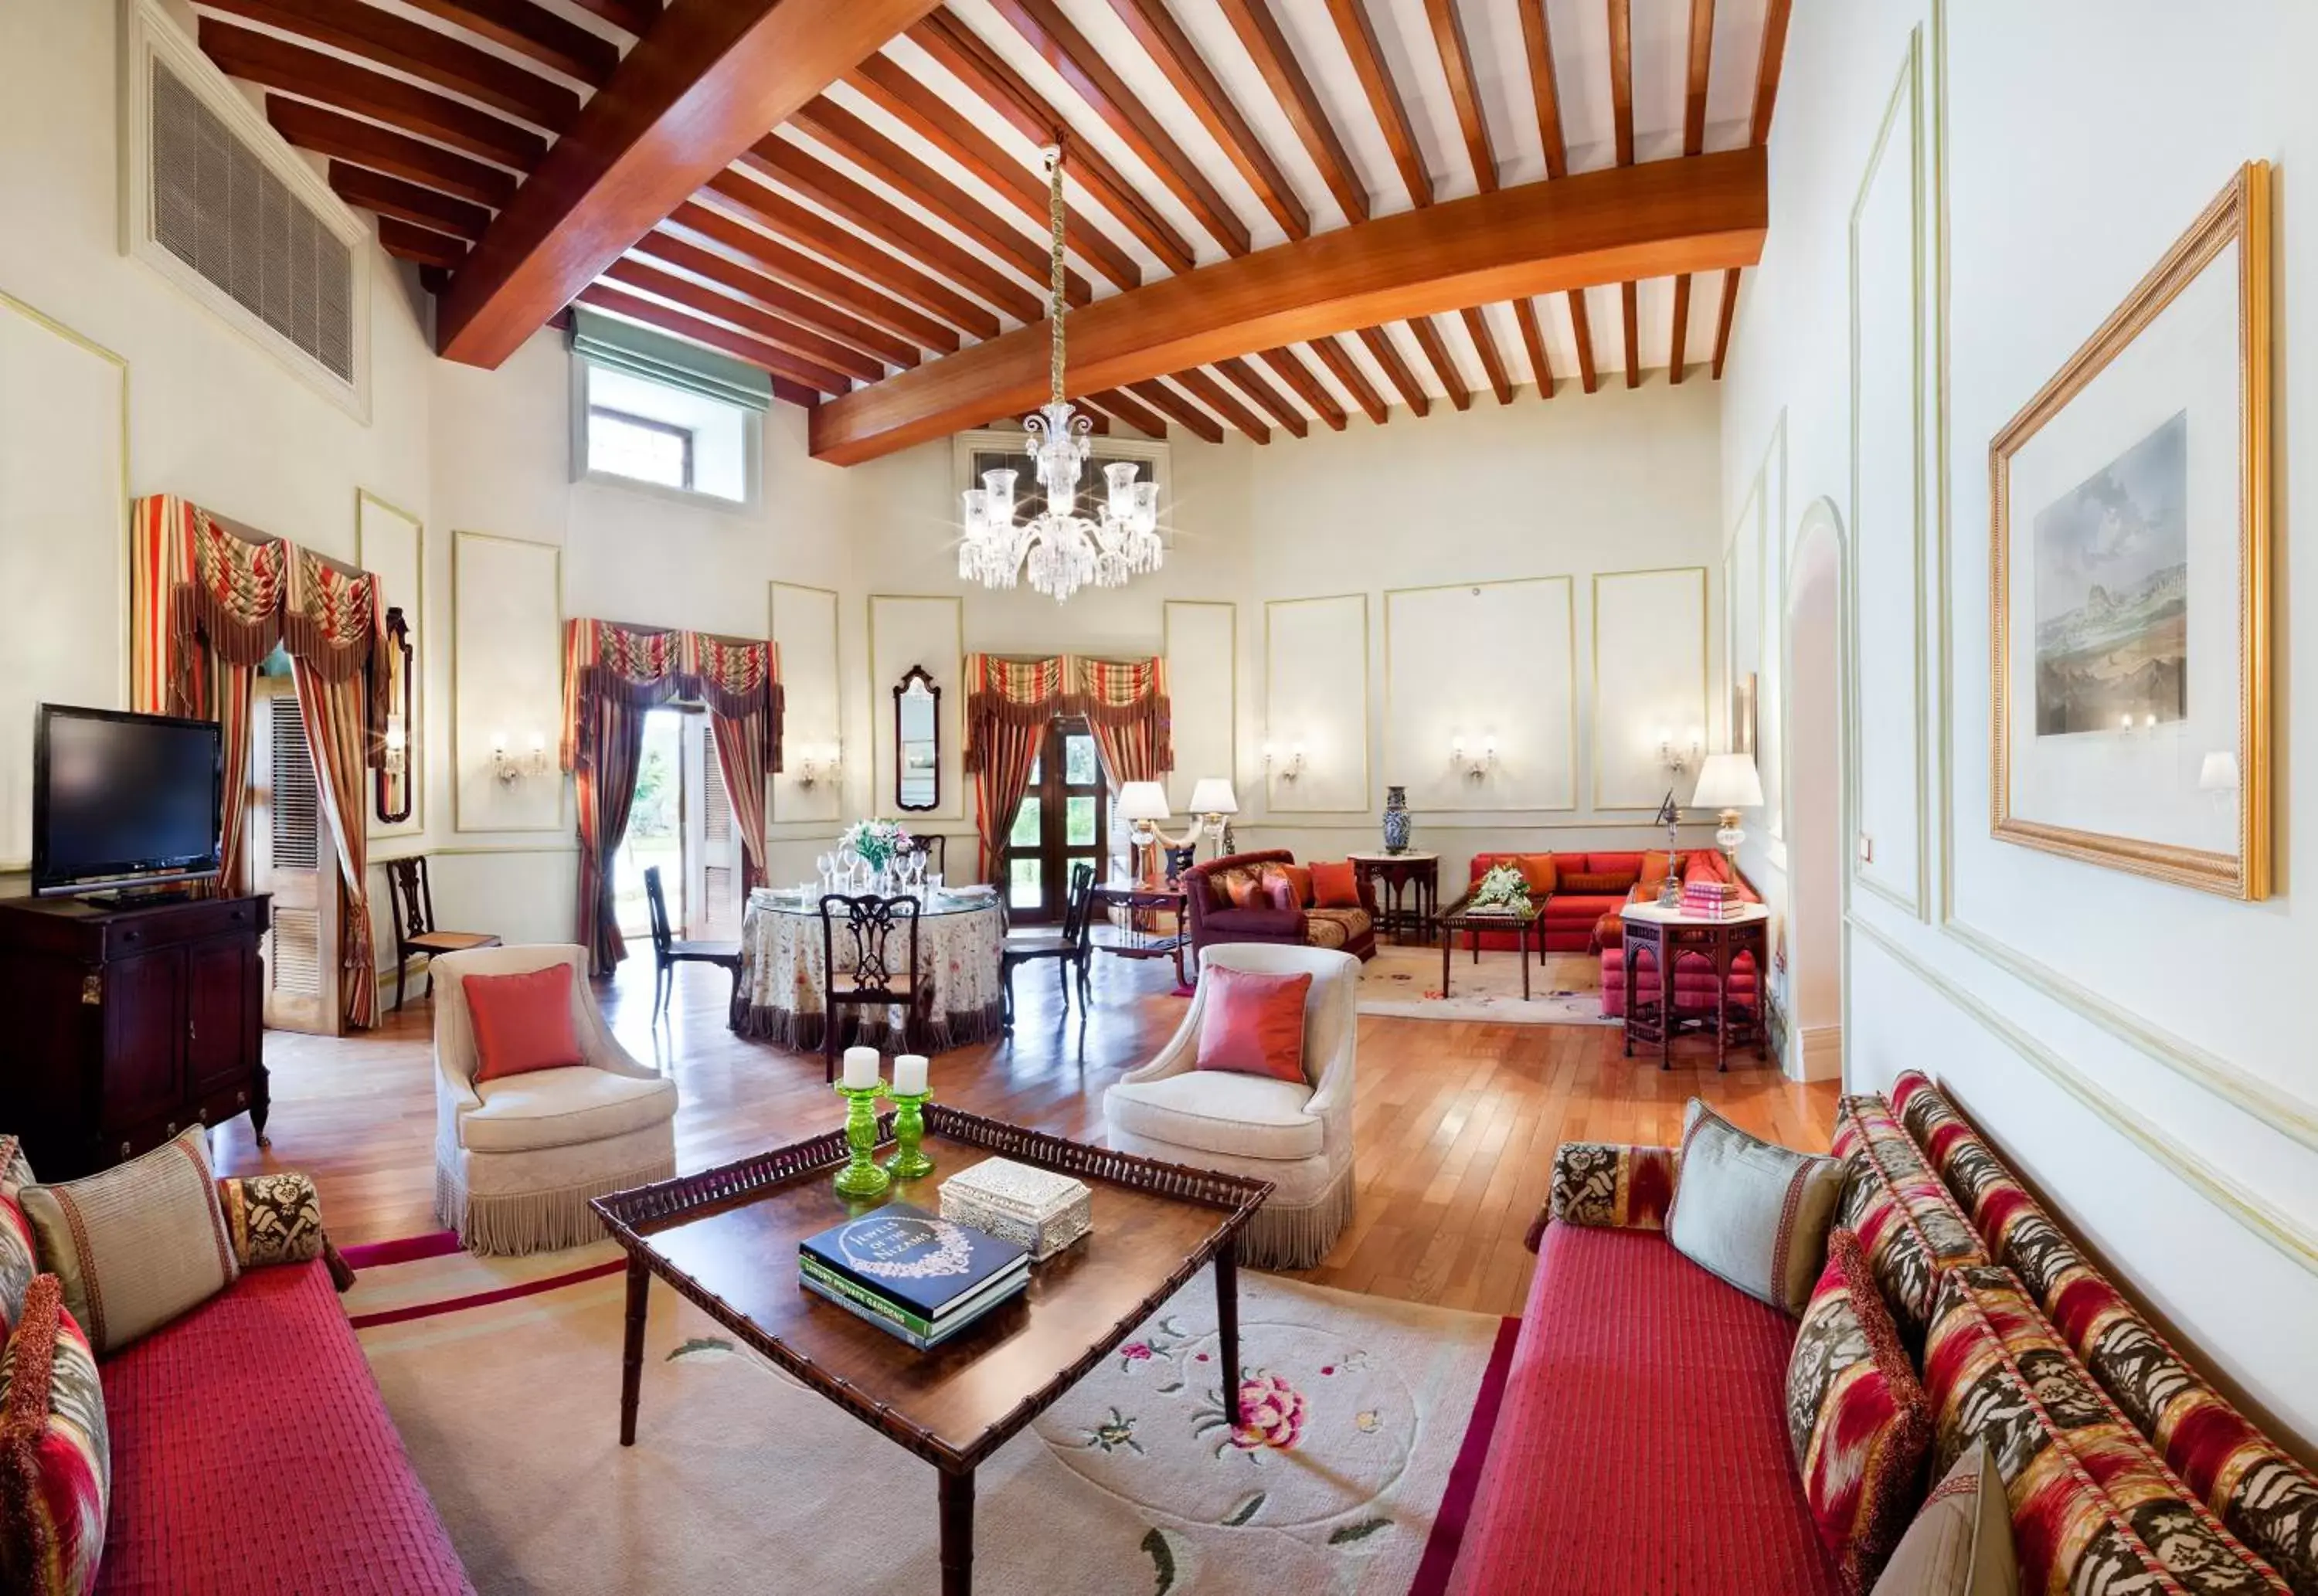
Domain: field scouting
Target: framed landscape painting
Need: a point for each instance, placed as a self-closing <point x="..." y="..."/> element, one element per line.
<point x="2129" y="576"/>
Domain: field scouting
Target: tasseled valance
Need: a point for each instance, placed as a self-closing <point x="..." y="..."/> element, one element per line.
<point x="1124" y="697"/>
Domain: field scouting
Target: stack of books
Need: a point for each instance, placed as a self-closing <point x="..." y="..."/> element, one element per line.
<point x="1712" y="900"/>
<point x="918" y="1278"/>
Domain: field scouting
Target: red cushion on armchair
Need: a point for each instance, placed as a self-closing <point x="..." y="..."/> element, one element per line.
<point x="1254" y="1022"/>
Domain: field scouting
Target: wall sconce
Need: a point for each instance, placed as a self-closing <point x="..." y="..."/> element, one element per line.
<point x="2128" y="725"/>
<point x="813" y="767"/>
<point x="510" y="767"/>
<point x="1680" y="755"/>
<point x="392" y="795"/>
<point x="398" y="746"/>
<point x="1473" y="764"/>
<point x="1287" y="766"/>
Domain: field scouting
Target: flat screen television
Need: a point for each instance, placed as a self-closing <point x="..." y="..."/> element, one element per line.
<point x="124" y="800"/>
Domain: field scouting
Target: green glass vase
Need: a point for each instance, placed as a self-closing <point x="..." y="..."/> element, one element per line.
<point x="907" y="1162"/>
<point x="861" y="1178"/>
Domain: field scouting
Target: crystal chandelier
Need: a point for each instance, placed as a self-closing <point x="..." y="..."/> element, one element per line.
<point x="1064" y="550"/>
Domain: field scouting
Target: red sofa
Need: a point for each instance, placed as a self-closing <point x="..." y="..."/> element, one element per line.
<point x="1213" y="918"/>
<point x="252" y="1452"/>
<point x="1694" y="974"/>
<point x="1569" y="916"/>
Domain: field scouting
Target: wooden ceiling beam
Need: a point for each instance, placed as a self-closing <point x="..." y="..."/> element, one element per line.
<point x="1493" y="363"/>
<point x="755" y="351"/>
<point x="1694" y="142"/>
<point x="965" y="55"/>
<point x="1359" y="35"/>
<point x="799" y="169"/>
<point x="792" y="268"/>
<point x="841" y="130"/>
<point x="1290" y="369"/>
<point x="634" y="16"/>
<point x="418" y="51"/>
<point x="1722" y="321"/>
<point x="278" y="65"/>
<point x="1267" y="46"/>
<point x="1178" y="410"/>
<point x="1162" y="38"/>
<point x="1464" y="93"/>
<point x="1767" y="66"/>
<point x="1126" y="407"/>
<point x="1057" y="40"/>
<point x="1537" y="40"/>
<point x="366" y="144"/>
<point x="881" y="348"/>
<point x="807" y="357"/>
<point x="422" y="246"/>
<point x="1532" y="335"/>
<point x="810" y="231"/>
<point x="532" y="30"/>
<point x="1268" y="398"/>
<point x="1386" y="353"/>
<point x="1622" y="125"/>
<point x="1220" y="399"/>
<point x="1445" y="365"/>
<point x="918" y="106"/>
<point x="1700" y="214"/>
<point x="704" y="83"/>
<point x="1355" y="381"/>
<point x="391" y="196"/>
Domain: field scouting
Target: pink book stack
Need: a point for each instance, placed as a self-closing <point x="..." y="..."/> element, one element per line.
<point x="1712" y="900"/>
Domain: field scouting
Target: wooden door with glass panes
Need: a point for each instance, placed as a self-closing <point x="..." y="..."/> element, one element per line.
<point x="1064" y="821"/>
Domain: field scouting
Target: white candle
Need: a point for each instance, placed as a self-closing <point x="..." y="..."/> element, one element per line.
<point x="860" y="1068"/>
<point x="910" y="1075"/>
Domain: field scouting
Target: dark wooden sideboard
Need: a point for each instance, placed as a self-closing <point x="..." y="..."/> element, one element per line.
<point x="119" y="1028"/>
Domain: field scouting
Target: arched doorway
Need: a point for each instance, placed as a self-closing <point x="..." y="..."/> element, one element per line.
<point x="1813" y="727"/>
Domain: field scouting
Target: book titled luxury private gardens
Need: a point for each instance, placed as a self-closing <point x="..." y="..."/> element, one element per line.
<point x="914" y="1276"/>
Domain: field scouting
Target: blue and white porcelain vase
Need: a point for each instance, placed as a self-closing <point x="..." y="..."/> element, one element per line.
<point x="1395" y="820"/>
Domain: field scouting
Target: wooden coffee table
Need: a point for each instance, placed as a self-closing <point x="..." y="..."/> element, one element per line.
<point x="727" y="1240"/>
<point x="1462" y="916"/>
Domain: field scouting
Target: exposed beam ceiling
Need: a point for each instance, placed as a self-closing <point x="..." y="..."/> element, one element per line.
<point x="1604" y="226"/>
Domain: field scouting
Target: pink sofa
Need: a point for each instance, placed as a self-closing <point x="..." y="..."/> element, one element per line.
<point x="1569" y="916"/>
<point x="1694" y="974"/>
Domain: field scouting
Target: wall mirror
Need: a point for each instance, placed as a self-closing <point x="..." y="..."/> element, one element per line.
<point x="917" y="741"/>
<point x="393" y="766"/>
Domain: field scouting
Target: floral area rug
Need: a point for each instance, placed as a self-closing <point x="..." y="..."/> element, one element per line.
<point x="1565" y="991"/>
<point x="1366" y="1421"/>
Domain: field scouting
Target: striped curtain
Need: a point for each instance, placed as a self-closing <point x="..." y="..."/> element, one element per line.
<point x="333" y="622"/>
<point x="1009" y="703"/>
<point x="1126" y="703"/>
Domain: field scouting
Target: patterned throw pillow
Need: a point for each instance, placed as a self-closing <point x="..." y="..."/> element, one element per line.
<point x="1241" y="889"/>
<point x="1611" y="1187"/>
<point x="272" y="1218"/>
<point x="1750" y="1212"/>
<point x="2093" y="1508"/>
<point x="15" y="1168"/>
<point x="138" y="1244"/>
<point x="1909" y="1226"/>
<point x="1611" y="884"/>
<point x="1857" y="1416"/>
<point x="1961" y="1543"/>
<point x="2267" y="1497"/>
<point x="19" y="1262"/>
<point x="56" y="1466"/>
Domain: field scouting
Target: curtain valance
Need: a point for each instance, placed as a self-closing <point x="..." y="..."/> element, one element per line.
<point x="733" y="677"/>
<point x="1125" y="697"/>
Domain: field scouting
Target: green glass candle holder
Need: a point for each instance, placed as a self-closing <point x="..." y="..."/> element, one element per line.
<point x="861" y="1178"/>
<point x="907" y="1163"/>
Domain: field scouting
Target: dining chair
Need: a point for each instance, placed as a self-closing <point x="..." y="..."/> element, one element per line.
<point x="871" y="924"/>
<point x="669" y="950"/>
<point x="1070" y="949"/>
<point x="412" y="900"/>
<point x="935" y="847"/>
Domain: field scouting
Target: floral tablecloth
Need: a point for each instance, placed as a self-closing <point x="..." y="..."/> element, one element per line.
<point x="779" y="998"/>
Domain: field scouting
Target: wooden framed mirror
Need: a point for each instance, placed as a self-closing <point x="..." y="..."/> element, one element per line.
<point x="394" y="790"/>
<point x="917" y="741"/>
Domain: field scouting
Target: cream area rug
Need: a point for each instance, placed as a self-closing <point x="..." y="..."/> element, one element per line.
<point x="1368" y="1421"/>
<point x="1406" y="981"/>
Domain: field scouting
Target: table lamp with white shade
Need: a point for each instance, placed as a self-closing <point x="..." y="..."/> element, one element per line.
<point x="1145" y="803"/>
<point x="1728" y="783"/>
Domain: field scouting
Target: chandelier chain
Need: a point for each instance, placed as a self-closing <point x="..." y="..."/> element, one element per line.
<point x="1055" y="304"/>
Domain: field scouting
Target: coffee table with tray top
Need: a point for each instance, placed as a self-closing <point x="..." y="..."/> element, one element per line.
<point x="1463" y="916"/>
<point x="726" y="1239"/>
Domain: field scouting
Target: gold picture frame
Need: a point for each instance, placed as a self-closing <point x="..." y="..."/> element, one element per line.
<point x="2239" y="216"/>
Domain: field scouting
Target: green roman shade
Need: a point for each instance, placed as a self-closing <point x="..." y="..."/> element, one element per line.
<point x="624" y="346"/>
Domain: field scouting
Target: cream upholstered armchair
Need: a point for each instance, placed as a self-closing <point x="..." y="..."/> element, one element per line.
<point x="517" y="1158"/>
<point x="1296" y="1135"/>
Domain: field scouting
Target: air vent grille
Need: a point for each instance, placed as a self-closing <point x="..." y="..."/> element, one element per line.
<point x="295" y="967"/>
<point x="217" y="208"/>
<point x="296" y="806"/>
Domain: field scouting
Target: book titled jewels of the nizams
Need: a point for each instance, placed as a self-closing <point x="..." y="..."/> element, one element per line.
<point x="917" y="1277"/>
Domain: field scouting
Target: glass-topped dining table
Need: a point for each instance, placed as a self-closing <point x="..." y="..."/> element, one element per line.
<point x="779" y="1000"/>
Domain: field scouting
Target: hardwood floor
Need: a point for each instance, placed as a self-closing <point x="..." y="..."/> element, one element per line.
<point x="1455" y="1123"/>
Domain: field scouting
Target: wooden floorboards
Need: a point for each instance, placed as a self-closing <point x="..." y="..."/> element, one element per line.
<point x="1455" y="1123"/>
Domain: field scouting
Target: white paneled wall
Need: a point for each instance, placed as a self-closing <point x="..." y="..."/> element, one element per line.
<point x="907" y="630"/>
<point x="1649" y="685"/>
<point x="506" y="670"/>
<point x="1316" y="705"/>
<point x="803" y="622"/>
<point x="1202" y="653"/>
<point x="1489" y="668"/>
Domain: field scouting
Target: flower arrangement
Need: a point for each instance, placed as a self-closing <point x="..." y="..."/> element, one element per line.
<point x="876" y="842"/>
<point x="1503" y="888"/>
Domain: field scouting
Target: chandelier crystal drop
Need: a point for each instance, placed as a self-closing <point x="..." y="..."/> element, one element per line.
<point x="1062" y="549"/>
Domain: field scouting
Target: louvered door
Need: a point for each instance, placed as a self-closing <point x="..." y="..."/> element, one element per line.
<point x="291" y="857"/>
<point x="718" y="919"/>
